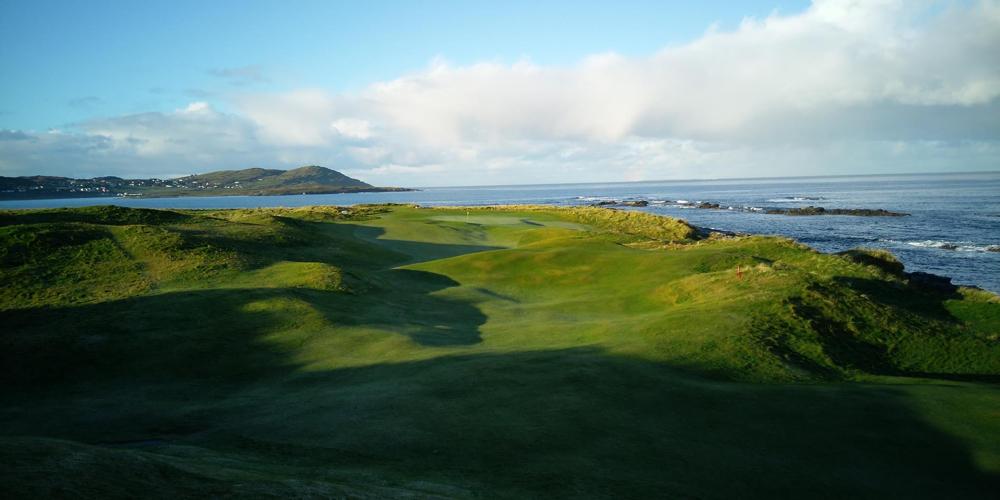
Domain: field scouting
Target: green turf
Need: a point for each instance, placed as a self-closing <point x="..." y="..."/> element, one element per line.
<point x="393" y="351"/>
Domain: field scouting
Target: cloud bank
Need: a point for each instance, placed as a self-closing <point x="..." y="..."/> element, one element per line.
<point x="843" y="87"/>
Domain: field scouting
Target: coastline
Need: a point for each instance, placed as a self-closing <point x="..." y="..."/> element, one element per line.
<point x="946" y="233"/>
<point x="201" y="194"/>
<point x="885" y="260"/>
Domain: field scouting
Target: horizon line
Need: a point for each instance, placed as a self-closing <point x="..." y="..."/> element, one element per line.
<point x="709" y="179"/>
<point x="651" y="181"/>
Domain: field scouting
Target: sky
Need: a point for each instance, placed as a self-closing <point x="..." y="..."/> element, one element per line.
<point x="434" y="93"/>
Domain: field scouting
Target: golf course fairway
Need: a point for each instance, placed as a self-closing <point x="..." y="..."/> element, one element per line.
<point x="487" y="352"/>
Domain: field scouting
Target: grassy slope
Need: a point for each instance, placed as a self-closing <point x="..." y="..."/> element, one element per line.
<point x="252" y="181"/>
<point x="310" y="179"/>
<point x="264" y="178"/>
<point x="456" y="352"/>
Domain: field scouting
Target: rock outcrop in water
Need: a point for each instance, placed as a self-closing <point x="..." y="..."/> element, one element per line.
<point x="811" y="210"/>
<point x="616" y="203"/>
<point x="710" y="205"/>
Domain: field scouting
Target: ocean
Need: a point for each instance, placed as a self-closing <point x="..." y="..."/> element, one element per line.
<point x="953" y="228"/>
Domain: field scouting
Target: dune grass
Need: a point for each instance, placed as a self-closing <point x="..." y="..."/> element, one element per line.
<point x="394" y="351"/>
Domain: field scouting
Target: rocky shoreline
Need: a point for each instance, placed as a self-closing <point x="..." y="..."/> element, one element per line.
<point x="795" y="211"/>
<point x="857" y="212"/>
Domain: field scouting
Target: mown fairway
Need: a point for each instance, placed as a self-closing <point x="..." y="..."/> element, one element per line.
<point x="518" y="352"/>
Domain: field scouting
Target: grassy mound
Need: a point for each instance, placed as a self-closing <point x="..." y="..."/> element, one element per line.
<point x="622" y="222"/>
<point x="103" y="214"/>
<point x="393" y="351"/>
<point x="877" y="257"/>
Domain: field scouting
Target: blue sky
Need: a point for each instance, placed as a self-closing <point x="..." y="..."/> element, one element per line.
<point x="437" y="93"/>
<point x="68" y="61"/>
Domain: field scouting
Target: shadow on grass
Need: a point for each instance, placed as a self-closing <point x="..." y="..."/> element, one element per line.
<point x="539" y="424"/>
<point x="416" y="251"/>
<point x="926" y="303"/>
<point x="844" y="347"/>
<point x="218" y="372"/>
<point x="178" y="330"/>
<point x="859" y="330"/>
<point x="404" y="302"/>
<point x="208" y="333"/>
<point x="340" y="244"/>
<point x="101" y="214"/>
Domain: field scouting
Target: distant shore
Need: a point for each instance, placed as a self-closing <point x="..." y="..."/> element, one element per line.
<point x="191" y="194"/>
<point x="310" y="179"/>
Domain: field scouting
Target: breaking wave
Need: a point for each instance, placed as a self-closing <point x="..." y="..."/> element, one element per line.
<point x="957" y="246"/>
<point x="794" y="199"/>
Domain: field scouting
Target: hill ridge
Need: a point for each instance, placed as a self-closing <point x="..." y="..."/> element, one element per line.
<point x="309" y="179"/>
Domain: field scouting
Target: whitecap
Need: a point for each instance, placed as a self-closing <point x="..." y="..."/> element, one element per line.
<point x="795" y="199"/>
<point x="957" y="246"/>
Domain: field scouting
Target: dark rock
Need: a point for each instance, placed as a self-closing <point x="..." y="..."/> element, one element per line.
<point x="860" y="212"/>
<point x="810" y="210"/>
<point x="931" y="282"/>
<point x="617" y="203"/>
<point x="865" y="212"/>
<point x="708" y="205"/>
<point x="994" y="248"/>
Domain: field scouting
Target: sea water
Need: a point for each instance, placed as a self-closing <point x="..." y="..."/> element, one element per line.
<point x="953" y="228"/>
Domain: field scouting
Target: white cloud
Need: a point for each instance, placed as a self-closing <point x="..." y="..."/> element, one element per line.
<point x="746" y="83"/>
<point x="845" y="86"/>
<point x="352" y="128"/>
<point x="196" y="130"/>
<point x="299" y="118"/>
<point x="196" y="107"/>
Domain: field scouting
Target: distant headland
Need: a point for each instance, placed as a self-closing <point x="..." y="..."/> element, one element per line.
<point x="310" y="179"/>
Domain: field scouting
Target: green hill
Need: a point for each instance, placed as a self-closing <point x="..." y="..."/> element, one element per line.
<point x="511" y="352"/>
<point x="303" y="178"/>
<point x="252" y="181"/>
